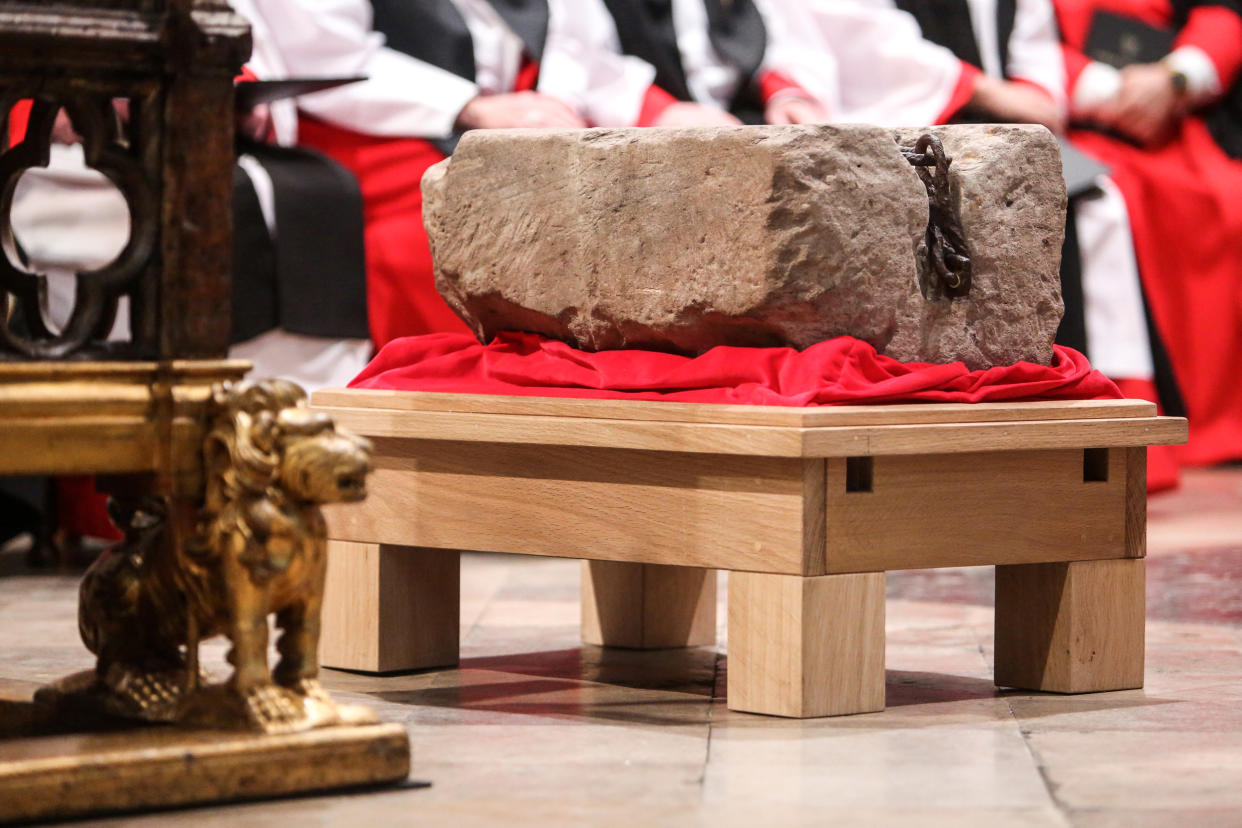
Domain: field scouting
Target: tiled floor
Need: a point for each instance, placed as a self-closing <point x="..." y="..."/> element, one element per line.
<point x="537" y="729"/>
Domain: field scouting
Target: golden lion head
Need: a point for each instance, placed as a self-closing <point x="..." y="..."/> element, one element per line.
<point x="265" y="440"/>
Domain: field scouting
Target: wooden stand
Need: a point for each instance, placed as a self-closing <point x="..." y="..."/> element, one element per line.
<point x="390" y="608"/>
<point x="807" y="507"/>
<point x="647" y="606"/>
<point x="143" y="425"/>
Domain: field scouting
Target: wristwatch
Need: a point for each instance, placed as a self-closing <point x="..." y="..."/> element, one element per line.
<point x="1178" y="79"/>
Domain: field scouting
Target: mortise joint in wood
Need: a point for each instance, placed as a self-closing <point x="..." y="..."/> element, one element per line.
<point x="859" y="472"/>
<point x="1095" y="465"/>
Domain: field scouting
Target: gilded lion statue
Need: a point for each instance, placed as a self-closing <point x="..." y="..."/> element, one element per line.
<point x="256" y="547"/>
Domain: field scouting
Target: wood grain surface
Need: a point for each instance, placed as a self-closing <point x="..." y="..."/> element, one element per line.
<point x="803" y="647"/>
<point x="975" y="509"/>
<point x="390" y="608"/>
<point x="772" y="415"/>
<point x="1071" y="627"/>
<point x="772" y="439"/>
<point x="647" y="606"/>
<point x="696" y="510"/>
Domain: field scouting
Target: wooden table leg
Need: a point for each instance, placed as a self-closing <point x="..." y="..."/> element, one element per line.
<point x="804" y="647"/>
<point x="1070" y="627"/>
<point x="647" y="606"/>
<point x="390" y="608"/>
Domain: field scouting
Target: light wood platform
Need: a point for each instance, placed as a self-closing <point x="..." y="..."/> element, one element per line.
<point x="813" y="505"/>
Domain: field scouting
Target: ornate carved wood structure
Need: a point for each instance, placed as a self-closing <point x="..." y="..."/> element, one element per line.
<point x="148" y="85"/>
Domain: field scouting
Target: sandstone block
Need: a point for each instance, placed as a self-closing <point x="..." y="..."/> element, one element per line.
<point x="684" y="239"/>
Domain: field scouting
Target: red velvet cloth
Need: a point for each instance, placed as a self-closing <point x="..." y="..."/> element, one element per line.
<point x="838" y="371"/>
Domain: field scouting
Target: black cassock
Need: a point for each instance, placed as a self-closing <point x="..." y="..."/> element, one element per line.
<point x="435" y="32"/>
<point x="645" y="29"/>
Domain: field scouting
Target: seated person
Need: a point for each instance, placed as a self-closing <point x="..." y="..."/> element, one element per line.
<point x="436" y="68"/>
<point x="910" y="62"/>
<point x="879" y="64"/>
<point x="735" y="57"/>
<point x="1171" y="130"/>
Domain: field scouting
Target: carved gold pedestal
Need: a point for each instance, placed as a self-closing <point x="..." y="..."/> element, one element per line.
<point x="58" y="776"/>
<point x="217" y="486"/>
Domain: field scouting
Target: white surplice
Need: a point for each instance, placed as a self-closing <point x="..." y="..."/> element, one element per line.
<point x="710" y="79"/>
<point x="405" y="96"/>
<point x="876" y="68"/>
<point x="872" y="65"/>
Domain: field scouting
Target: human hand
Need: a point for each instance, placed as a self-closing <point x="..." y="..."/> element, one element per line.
<point x="695" y="115"/>
<point x="1148" y="106"/>
<point x="1016" y="103"/>
<point x="518" y="109"/>
<point x="255" y="124"/>
<point x="796" y="111"/>
<point x="63" y="131"/>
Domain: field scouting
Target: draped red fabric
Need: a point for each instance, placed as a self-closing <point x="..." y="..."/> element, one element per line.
<point x="838" y="371"/>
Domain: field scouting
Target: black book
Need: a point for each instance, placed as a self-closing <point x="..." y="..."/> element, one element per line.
<point x="1081" y="171"/>
<point x="1120" y="41"/>
<point x="252" y="93"/>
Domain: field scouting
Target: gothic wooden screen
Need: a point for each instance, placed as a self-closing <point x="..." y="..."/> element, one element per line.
<point x="148" y="85"/>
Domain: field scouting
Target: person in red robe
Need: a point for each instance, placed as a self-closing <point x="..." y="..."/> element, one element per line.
<point x="1171" y="130"/>
<point x="434" y="69"/>
<point x="735" y="58"/>
<point x="986" y="60"/>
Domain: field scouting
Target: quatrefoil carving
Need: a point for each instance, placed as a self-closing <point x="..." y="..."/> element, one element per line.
<point x="107" y="150"/>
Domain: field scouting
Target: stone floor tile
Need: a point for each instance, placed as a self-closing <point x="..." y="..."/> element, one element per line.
<point x="1142" y="770"/>
<point x="962" y="767"/>
<point x="534" y="728"/>
<point x="1157" y="818"/>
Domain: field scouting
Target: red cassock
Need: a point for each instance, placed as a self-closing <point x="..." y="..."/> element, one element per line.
<point x="401" y="290"/>
<point x="401" y="293"/>
<point x="1185" y="204"/>
<point x="402" y="299"/>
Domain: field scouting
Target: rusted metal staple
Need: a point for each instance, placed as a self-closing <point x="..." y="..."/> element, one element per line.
<point x="947" y="253"/>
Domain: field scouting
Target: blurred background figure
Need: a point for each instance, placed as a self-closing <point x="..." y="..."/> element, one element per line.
<point x="876" y="63"/>
<point x="735" y="58"/>
<point x="435" y="68"/>
<point x="1169" y="124"/>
